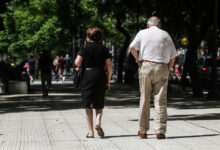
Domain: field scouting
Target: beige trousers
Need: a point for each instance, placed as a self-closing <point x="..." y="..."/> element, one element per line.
<point x="153" y="77"/>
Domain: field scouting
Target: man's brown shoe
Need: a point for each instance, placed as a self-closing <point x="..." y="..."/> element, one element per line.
<point x="142" y="135"/>
<point x="160" y="136"/>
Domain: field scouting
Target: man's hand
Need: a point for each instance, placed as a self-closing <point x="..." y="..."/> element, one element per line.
<point x="139" y="63"/>
<point x="171" y="63"/>
<point x="135" y="54"/>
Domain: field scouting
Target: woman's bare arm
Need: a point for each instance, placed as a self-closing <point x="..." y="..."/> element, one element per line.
<point x="78" y="60"/>
<point x="109" y="72"/>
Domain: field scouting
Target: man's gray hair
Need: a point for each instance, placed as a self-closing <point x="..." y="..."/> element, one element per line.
<point x="153" y="21"/>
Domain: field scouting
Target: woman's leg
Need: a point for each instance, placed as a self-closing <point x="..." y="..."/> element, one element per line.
<point x="89" y="117"/>
<point x="61" y="76"/>
<point x="99" y="117"/>
<point x="98" y="123"/>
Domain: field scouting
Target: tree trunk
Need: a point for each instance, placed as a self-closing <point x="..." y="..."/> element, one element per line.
<point x="195" y="38"/>
<point x="213" y="92"/>
<point x="191" y="67"/>
<point x="124" y="48"/>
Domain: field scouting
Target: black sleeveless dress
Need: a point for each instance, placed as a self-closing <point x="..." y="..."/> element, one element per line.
<point x="94" y="75"/>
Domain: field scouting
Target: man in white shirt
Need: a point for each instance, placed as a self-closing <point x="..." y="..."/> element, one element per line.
<point x="155" y="54"/>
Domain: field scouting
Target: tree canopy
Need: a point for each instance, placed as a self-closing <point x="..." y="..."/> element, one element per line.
<point x="28" y="27"/>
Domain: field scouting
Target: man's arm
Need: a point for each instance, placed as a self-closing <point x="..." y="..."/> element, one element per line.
<point x="171" y="63"/>
<point x="135" y="54"/>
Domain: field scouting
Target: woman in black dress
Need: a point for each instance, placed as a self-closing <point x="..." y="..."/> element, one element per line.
<point x="93" y="58"/>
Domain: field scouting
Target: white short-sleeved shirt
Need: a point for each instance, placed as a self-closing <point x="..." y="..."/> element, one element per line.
<point x="155" y="45"/>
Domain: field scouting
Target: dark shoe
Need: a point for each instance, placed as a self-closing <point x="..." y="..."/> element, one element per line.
<point x="99" y="131"/>
<point x="89" y="136"/>
<point x="160" y="136"/>
<point x="142" y="135"/>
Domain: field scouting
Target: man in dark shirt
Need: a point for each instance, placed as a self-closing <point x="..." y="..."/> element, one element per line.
<point x="45" y="64"/>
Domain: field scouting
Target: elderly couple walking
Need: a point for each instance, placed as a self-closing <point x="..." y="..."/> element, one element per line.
<point x="155" y="54"/>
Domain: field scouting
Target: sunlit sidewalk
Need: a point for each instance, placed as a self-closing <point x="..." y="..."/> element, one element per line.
<point x="31" y="122"/>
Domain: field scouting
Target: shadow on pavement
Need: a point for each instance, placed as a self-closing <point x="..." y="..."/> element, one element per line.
<point x="121" y="96"/>
<point x="209" y="116"/>
<point x="192" y="103"/>
<point x="169" y="137"/>
<point x="191" y="136"/>
<point x="64" y="98"/>
<point x="118" y="136"/>
<point x="37" y="103"/>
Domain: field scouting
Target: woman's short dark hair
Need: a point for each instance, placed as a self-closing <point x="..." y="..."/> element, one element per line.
<point x="94" y="34"/>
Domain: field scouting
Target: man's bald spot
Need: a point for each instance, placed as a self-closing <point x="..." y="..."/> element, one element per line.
<point x="153" y="21"/>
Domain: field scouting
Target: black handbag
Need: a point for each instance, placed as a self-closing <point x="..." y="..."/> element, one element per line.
<point x="77" y="78"/>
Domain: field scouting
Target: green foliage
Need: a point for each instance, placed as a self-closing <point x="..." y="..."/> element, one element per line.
<point x="30" y="28"/>
<point x="92" y="17"/>
<point x="34" y="25"/>
<point x="3" y="42"/>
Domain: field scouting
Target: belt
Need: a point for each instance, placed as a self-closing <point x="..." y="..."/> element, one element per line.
<point x="148" y="61"/>
<point x="152" y="62"/>
<point x="94" y="68"/>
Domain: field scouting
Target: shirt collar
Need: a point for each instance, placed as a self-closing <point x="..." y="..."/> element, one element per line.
<point x="153" y="27"/>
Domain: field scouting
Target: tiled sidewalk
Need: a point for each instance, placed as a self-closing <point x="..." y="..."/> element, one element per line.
<point x="29" y="122"/>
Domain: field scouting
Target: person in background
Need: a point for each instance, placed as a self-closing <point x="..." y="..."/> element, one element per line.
<point x="45" y="65"/>
<point x="93" y="57"/>
<point x="56" y="67"/>
<point x="26" y="67"/>
<point x="31" y="69"/>
<point x="62" y="63"/>
<point x="155" y="59"/>
<point x="67" y="64"/>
